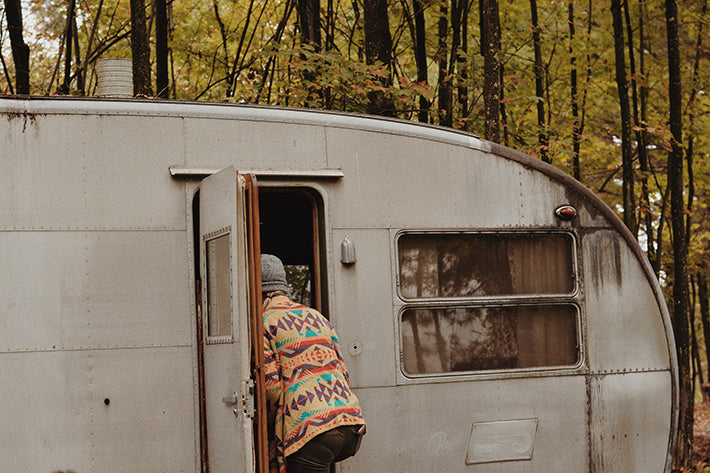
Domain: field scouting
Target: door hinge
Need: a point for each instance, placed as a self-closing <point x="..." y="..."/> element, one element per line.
<point x="248" y="398"/>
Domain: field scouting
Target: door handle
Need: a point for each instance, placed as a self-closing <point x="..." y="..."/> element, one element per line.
<point x="231" y="400"/>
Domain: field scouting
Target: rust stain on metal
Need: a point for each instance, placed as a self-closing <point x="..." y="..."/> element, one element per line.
<point x="594" y="438"/>
<point x="26" y="116"/>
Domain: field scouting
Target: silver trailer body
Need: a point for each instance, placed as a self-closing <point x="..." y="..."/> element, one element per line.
<point x="103" y="241"/>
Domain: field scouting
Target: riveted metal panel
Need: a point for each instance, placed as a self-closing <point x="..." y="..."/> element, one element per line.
<point x="78" y="290"/>
<point x="254" y="144"/>
<point x="427" y="428"/>
<point x="363" y="296"/>
<point x="419" y="183"/>
<point x="90" y="172"/>
<point x="97" y="410"/>
<point x="226" y="361"/>
<point x="629" y="416"/>
<point x="625" y="325"/>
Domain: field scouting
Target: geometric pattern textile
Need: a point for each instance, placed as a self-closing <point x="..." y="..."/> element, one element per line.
<point x="307" y="384"/>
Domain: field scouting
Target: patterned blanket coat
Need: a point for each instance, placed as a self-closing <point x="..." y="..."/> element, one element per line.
<point x="307" y="383"/>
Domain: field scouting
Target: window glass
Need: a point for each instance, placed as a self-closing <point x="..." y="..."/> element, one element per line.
<point x="219" y="287"/>
<point x="455" y="339"/>
<point x="477" y="265"/>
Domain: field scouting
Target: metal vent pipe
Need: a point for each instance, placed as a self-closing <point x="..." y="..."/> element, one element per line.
<point x="115" y="77"/>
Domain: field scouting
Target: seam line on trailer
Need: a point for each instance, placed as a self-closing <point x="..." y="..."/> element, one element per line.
<point x="99" y="348"/>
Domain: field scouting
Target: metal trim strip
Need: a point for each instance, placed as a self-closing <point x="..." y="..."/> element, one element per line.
<point x="201" y="172"/>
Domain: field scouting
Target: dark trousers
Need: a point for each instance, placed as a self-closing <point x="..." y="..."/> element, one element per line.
<point x="325" y="449"/>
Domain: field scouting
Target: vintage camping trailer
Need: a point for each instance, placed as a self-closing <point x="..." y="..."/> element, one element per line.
<point x="494" y="314"/>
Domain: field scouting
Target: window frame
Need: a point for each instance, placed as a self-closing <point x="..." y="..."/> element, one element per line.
<point x="209" y="290"/>
<point x="575" y="268"/>
<point x="402" y="304"/>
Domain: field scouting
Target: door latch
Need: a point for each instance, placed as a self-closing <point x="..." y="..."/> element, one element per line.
<point x="248" y="398"/>
<point x="242" y="404"/>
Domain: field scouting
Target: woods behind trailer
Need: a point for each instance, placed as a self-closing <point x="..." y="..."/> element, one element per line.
<point x="495" y="315"/>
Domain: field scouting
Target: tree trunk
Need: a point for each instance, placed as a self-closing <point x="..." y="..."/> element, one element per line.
<point x="645" y="204"/>
<point x="68" y="36"/>
<point x="420" y="58"/>
<point x="637" y="125"/>
<point x="680" y="248"/>
<point x="329" y="46"/>
<point x="691" y="122"/>
<point x="576" y="134"/>
<point x="84" y="65"/>
<point x="629" y="203"/>
<point x="244" y="45"/>
<point x="697" y="366"/>
<point x="80" y="86"/>
<point x="456" y="7"/>
<point x="656" y="262"/>
<point x="502" y="111"/>
<point x="6" y="72"/>
<point x="309" y="22"/>
<point x="444" y="80"/>
<point x="378" y="48"/>
<point x="330" y="26"/>
<point x="704" y="311"/>
<point x="268" y="73"/>
<point x="539" y="88"/>
<point x="490" y="49"/>
<point x="462" y="62"/>
<point x="578" y="126"/>
<point x="162" y="81"/>
<point x="140" y="49"/>
<point x="20" y="50"/>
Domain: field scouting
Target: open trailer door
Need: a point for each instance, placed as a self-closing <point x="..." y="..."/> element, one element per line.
<point x="230" y="274"/>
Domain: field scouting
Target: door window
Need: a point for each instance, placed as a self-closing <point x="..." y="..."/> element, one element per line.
<point x="219" y="288"/>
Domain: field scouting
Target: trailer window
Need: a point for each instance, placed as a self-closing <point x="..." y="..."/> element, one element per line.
<point x="456" y="339"/>
<point x="461" y="265"/>
<point x="487" y="301"/>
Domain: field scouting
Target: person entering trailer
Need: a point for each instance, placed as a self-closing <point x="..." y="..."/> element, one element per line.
<point x="314" y="418"/>
<point x="235" y="221"/>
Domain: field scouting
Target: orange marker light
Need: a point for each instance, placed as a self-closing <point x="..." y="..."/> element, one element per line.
<point x="566" y="212"/>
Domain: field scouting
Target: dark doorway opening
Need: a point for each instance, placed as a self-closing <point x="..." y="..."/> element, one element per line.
<point x="292" y="222"/>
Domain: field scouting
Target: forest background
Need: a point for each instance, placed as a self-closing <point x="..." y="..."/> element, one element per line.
<point x="613" y="93"/>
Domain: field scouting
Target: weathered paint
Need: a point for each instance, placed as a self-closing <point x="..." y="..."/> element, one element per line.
<point x="98" y="334"/>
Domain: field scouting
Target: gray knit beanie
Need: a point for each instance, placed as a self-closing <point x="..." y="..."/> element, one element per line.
<point x="273" y="275"/>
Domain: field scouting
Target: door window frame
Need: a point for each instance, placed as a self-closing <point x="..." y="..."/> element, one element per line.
<point x="211" y="339"/>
